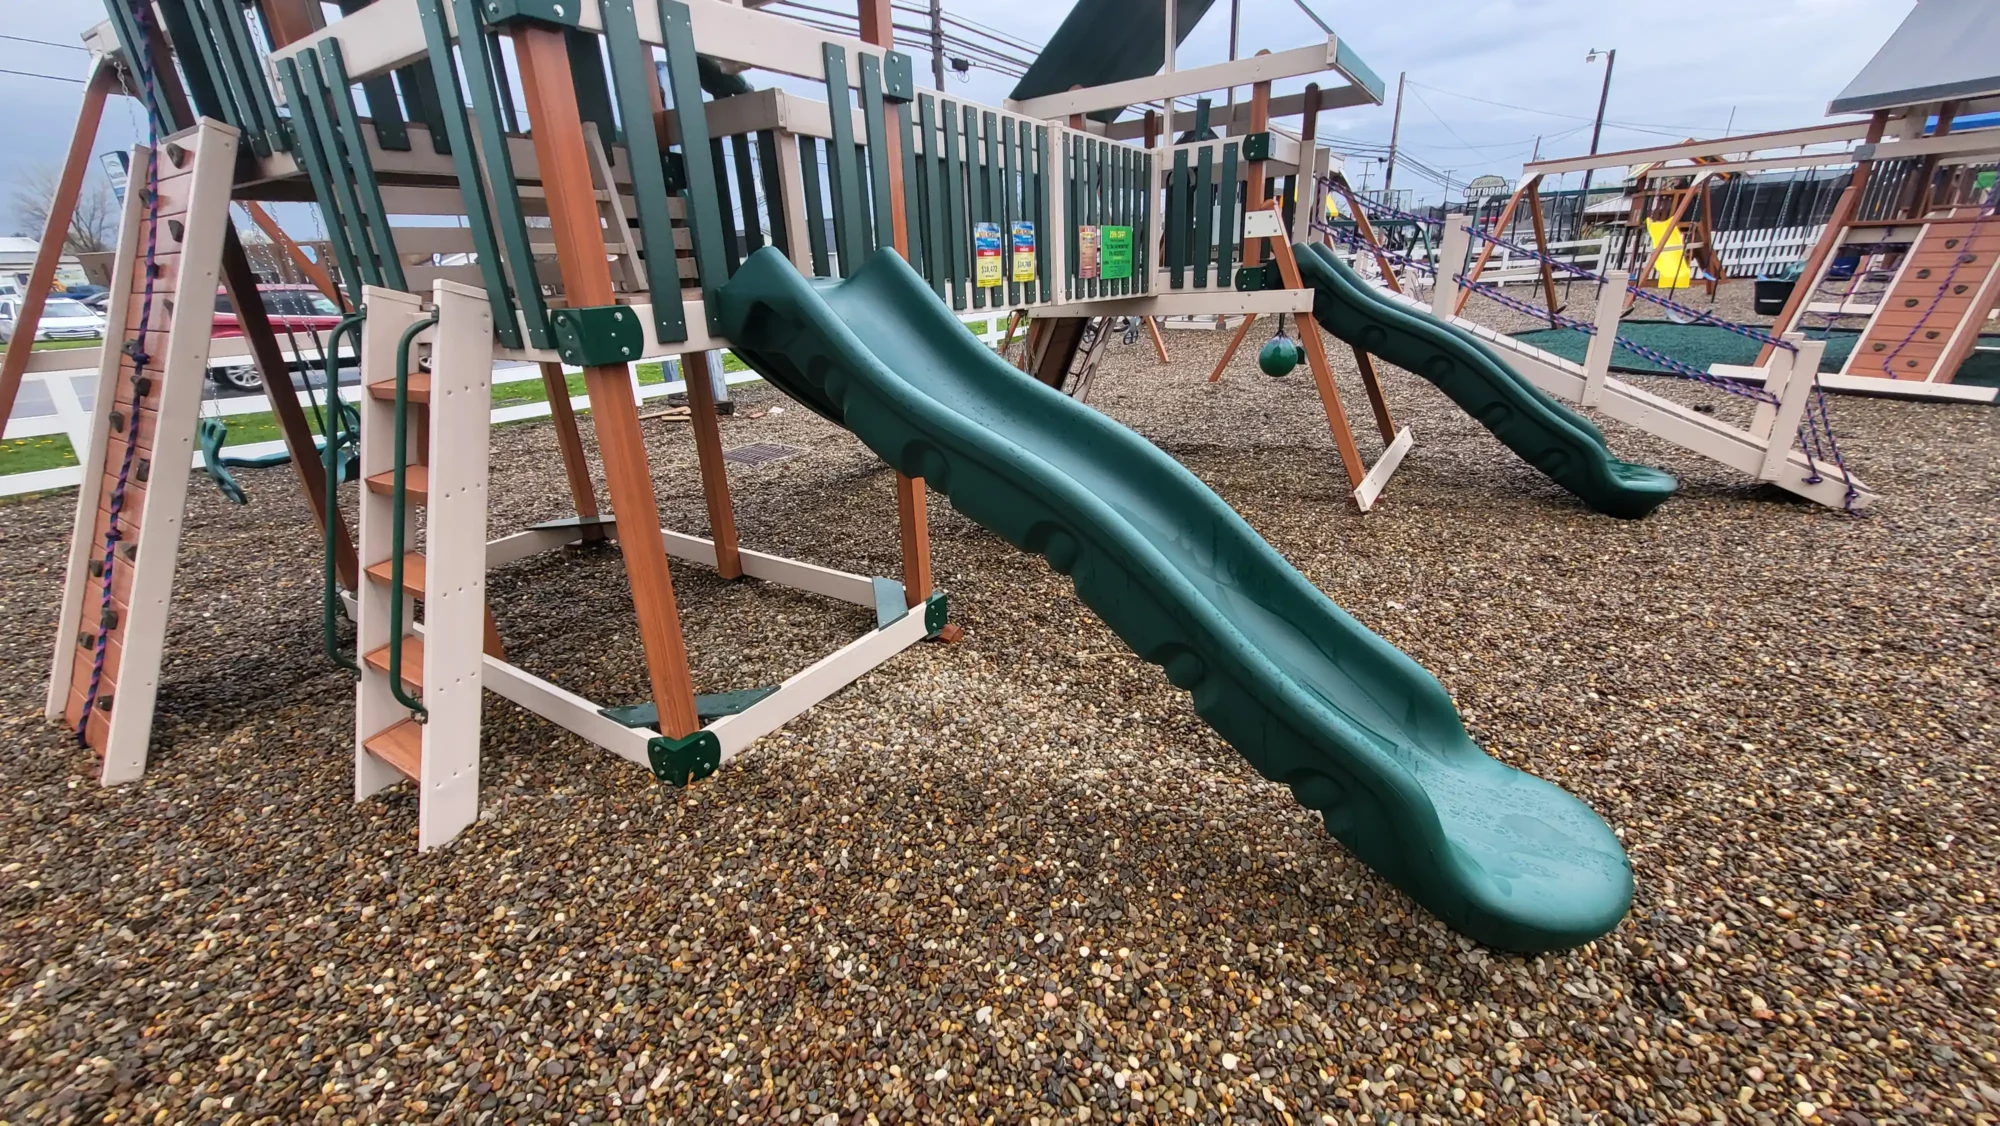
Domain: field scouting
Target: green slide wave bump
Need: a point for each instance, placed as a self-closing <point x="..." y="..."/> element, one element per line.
<point x="1311" y="697"/>
<point x="1547" y="434"/>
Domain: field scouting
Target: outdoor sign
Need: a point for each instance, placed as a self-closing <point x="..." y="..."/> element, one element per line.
<point x="1115" y="255"/>
<point x="986" y="255"/>
<point x="117" y="170"/>
<point x="1087" y="263"/>
<point x="1024" y="250"/>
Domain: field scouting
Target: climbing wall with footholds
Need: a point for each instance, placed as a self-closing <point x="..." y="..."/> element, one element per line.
<point x="126" y="537"/>
<point x="1938" y="301"/>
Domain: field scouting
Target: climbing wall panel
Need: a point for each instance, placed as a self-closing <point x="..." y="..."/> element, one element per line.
<point x="1937" y="303"/>
<point x="106" y="670"/>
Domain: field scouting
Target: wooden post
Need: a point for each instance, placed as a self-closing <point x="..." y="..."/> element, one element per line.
<point x="1829" y="238"/>
<point x="1315" y="349"/>
<point x="1500" y="224"/>
<point x="576" y="466"/>
<point x="1159" y="342"/>
<point x="614" y="412"/>
<point x="1235" y="342"/>
<point x="240" y="281"/>
<point x="1253" y="197"/>
<point x="714" y="471"/>
<point x="912" y="522"/>
<point x="289" y="21"/>
<point x="55" y="232"/>
<point x="1367" y="231"/>
<point x="1542" y="245"/>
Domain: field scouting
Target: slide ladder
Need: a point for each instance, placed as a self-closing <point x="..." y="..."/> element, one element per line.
<point x="417" y="704"/>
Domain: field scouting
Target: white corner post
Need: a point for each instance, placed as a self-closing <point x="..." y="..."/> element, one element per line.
<point x="1792" y="404"/>
<point x="1597" y="360"/>
<point x="1777" y="380"/>
<point x="1452" y="250"/>
<point x="455" y="562"/>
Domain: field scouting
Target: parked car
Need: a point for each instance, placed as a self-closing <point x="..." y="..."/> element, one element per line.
<point x="62" y="319"/>
<point x="84" y="292"/>
<point x="297" y="312"/>
<point x="99" y="303"/>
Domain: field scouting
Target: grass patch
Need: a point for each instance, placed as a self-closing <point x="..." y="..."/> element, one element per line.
<point x="29" y="455"/>
<point x="62" y="345"/>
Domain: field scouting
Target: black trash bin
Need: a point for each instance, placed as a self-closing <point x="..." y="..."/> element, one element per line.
<point x="1771" y="295"/>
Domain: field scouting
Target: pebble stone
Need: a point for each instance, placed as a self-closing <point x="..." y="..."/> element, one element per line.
<point x="1015" y="879"/>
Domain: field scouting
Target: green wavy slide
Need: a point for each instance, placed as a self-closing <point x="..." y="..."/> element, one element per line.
<point x="1354" y="727"/>
<point x="1547" y="434"/>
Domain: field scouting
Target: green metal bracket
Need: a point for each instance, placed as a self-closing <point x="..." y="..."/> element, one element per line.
<point x="674" y="168"/>
<point x="1250" y="279"/>
<point x="598" y="335"/>
<point x="678" y="762"/>
<point x="898" y="83"/>
<point x="936" y="614"/>
<point x="499" y="13"/>
<point x="1256" y="147"/>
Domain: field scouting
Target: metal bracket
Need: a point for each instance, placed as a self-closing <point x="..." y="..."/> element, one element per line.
<point x="597" y="335"/>
<point x="678" y="762"/>
<point x="496" y="13"/>
<point x="936" y="614"/>
<point x="1250" y="279"/>
<point x="898" y="84"/>
<point x="1257" y="146"/>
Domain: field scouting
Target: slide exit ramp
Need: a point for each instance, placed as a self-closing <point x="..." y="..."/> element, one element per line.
<point x="1308" y="695"/>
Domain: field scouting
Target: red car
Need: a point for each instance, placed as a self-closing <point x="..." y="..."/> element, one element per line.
<point x="297" y="312"/>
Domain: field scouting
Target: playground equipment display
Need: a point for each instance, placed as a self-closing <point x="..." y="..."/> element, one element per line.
<point x="828" y="244"/>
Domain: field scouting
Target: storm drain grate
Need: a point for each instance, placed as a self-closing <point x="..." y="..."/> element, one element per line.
<point x="762" y="453"/>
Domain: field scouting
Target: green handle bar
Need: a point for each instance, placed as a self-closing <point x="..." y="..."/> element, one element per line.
<point x="330" y="429"/>
<point x="396" y="520"/>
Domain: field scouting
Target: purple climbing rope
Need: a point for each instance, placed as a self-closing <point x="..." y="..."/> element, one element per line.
<point x="142" y="14"/>
<point x="1979" y="220"/>
<point x="1355" y="240"/>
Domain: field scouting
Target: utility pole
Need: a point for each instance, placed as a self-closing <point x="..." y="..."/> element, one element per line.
<point x="1235" y="22"/>
<point x="937" y="42"/>
<point x="1395" y="129"/>
<point x="1604" y="94"/>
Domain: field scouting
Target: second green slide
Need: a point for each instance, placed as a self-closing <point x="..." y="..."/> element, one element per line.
<point x="1313" y="699"/>
<point x="1547" y="434"/>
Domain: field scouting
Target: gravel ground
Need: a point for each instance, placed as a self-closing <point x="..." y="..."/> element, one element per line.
<point x="1015" y="879"/>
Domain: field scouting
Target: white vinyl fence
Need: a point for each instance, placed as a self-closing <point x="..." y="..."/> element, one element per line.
<point x="67" y="392"/>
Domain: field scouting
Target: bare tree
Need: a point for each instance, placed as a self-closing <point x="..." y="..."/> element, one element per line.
<point x="93" y="225"/>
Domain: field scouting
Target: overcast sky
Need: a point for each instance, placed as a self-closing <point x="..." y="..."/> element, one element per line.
<point x="1693" y="68"/>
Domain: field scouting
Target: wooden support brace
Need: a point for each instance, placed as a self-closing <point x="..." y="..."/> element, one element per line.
<point x="311" y="270"/>
<point x="714" y="471"/>
<point x="1322" y="370"/>
<point x="1542" y="247"/>
<point x="576" y="466"/>
<point x="1235" y="342"/>
<point x="55" y="231"/>
<point x="1485" y="252"/>
<point x="1159" y="342"/>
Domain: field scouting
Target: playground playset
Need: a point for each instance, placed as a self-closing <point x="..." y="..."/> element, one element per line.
<point x="1909" y="259"/>
<point x="829" y="245"/>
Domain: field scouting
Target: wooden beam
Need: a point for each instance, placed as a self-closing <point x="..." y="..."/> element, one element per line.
<point x="1829" y="238"/>
<point x="55" y="232"/>
<point x="586" y="273"/>
<point x="1159" y="342"/>
<point x="240" y="281"/>
<point x="912" y="520"/>
<point x="1542" y="247"/>
<point x="576" y="467"/>
<point x="1235" y="342"/>
<point x="1260" y="69"/>
<point x="1322" y="371"/>
<point x="1367" y="231"/>
<point x="1260" y="121"/>
<point x="288" y="21"/>
<point x="1688" y="150"/>
<point x="714" y="471"/>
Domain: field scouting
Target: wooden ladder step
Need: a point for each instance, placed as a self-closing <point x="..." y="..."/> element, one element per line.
<point x="416" y="483"/>
<point x="413" y="572"/>
<point x="413" y="661"/>
<point x="401" y="746"/>
<point x="420" y="388"/>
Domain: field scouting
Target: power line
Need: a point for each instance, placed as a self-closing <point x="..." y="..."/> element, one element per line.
<point x="1642" y="127"/>
<point x="45" y="42"/>
<point x="50" y="77"/>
